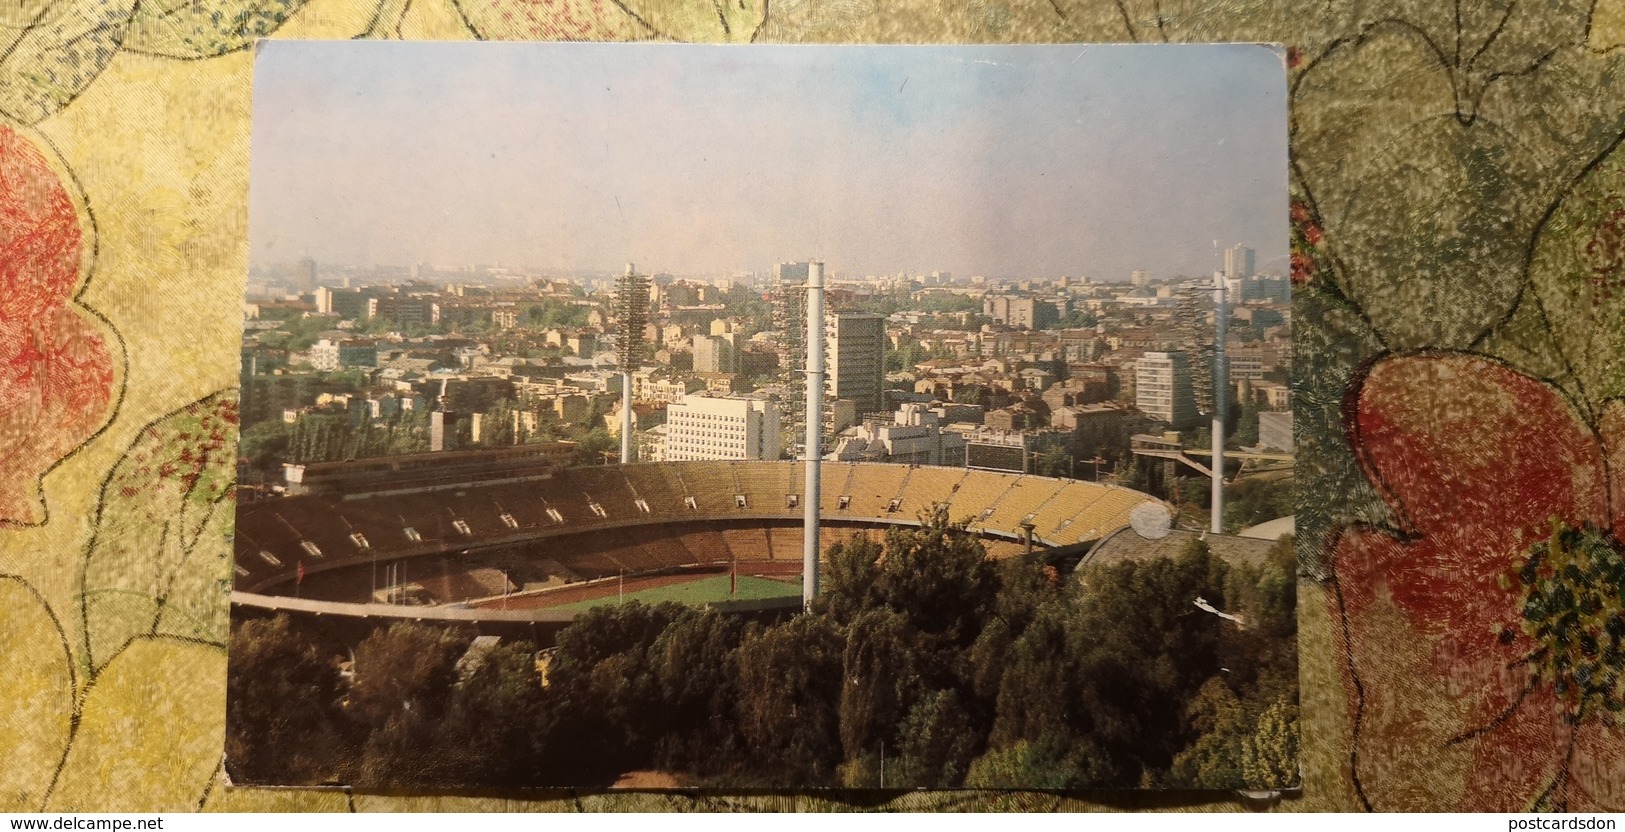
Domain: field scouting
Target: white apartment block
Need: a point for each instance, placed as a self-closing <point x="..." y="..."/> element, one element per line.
<point x="324" y="355"/>
<point x="713" y="427"/>
<point x="1162" y="388"/>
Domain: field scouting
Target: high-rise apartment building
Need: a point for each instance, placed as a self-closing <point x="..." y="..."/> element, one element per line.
<point x="404" y="311"/>
<point x="793" y="273"/>
<point x="1163" y="389"/>
<point x="855" y="350"/>
<point x="1022" y="312"/>
<point x="305" y="277"/>
<point x="711" y="427"/>
<point x="1238" y="261"/>
<point x="715" y="354"/>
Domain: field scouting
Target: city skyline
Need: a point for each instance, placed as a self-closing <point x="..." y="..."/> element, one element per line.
<point x="1000" y="161"/>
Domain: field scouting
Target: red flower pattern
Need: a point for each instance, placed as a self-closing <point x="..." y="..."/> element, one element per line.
<point x="1464" y="698"/>
<point x="56" y="368"/>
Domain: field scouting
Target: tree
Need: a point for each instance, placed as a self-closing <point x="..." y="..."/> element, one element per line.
<point x="939" y="576"/>
<point x="280" y="706"/>
<point x="989" y="656"/>
<point x="1050" y="763"/>
<point x="880" y="679"/>
<point x="551" y="313"/>
<point x="1036" y="683"/>
<point x="1269" y="756"/>
<point x="789" y="688"/>
<point x="592" y="445"/>
<point x="1143" y="652"/>
<point x="407" y="667"/>
<point x="1192" y="492"/>
<point x="265" y="444"/>
<point x="1246" y="434"/>
<point x="1077" y="319"/>
<point x="1134" y="477"/>
<point x="908" y="354"/>
<point x="1219" y="721"/>
<point x="604" y="695"/>
<point x="1055" y="462"/>
<point x="694" y="664"/>
<point x="849" y="580"/>
<point x="937" y="742"/>
<point x="1253" y="501"/>
<point x="402" y="752"/>
<point x="491" y="730"/>
<point x="497" y="428"/>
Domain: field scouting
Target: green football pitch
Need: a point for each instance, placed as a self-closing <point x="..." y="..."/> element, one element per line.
<point x="711" y="590"/>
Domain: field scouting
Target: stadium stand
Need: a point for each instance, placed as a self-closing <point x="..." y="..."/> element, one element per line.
<point x="1074" y="497"/>
<point x="1024" y="497"/>
<point x="607" y="486"/>
<point x="837" y="483"/>
<point x="706" y="545"/>
<point x="657" y="486"/>
<point x="452" y="585"/>
<point x="711" y="485"/>
<point x="1099" y="518"/>
<point x="928" y="486"/>
<point x="785" y="543"/>
<point x="763" y="487"/>
<point x="585" y="523"/>
<point x="795" y="479"/>
<point x="1000" y="549"/>
<point x="748" y="544"/>
<point x="874" y="487"/>
<point x="978" y="496"/>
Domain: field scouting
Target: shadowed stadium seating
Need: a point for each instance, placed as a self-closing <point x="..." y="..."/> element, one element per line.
<point x="747" y="544"/>
<point x="710" y="484"/>
<point x="707" y="546"/>
<point x="586" y="522"/>
<point x="658" y="488"/>
<point x="785" y="543"/>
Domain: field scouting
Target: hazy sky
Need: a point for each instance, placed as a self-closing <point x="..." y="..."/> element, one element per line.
<point x="1004" y="161"/>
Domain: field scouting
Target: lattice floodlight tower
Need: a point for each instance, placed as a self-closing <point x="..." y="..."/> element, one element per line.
<point x="790" y="319"/>
<point x="632" y="317"/>
<point x="1210" y="379"/>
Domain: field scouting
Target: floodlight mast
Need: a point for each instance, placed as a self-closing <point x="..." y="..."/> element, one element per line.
<point x="815" y="423"/>
<point x="632" y="308"/>
<point x="1221" y="392"/>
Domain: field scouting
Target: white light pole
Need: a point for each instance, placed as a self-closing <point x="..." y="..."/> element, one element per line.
<point x="815" y="422"/>
<point x="1221" y="392"/>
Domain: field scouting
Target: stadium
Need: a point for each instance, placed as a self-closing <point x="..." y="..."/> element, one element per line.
<point x="512" y="542"/>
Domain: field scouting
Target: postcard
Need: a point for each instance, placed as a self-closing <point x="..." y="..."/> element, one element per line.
<point x="655" y="416"/>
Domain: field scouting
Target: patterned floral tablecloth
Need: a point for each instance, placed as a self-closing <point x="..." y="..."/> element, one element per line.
<point x="1459" y="271"/>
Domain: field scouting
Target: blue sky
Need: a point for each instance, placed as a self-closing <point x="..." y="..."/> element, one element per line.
<point x="1005" y="161"/>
